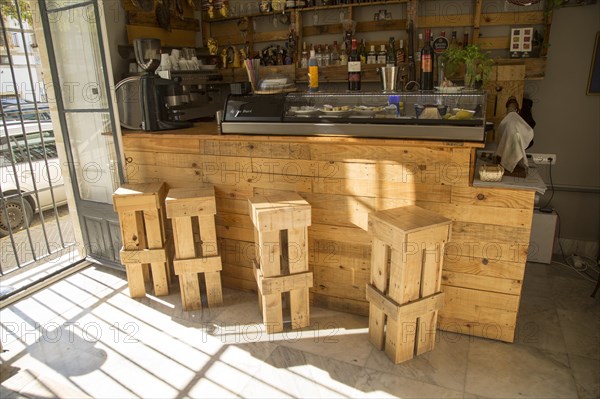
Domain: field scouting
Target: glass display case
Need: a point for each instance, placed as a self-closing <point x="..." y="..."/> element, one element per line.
<point x="408" y="115"/>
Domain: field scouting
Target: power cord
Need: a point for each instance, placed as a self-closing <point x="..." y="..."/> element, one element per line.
<point x="545" y="207"/>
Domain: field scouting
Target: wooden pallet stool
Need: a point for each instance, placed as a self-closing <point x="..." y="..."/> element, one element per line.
<point x="192" y="212"/>
<point x="141" y="216"/>
<point x="406" y="272"/>
<point x="281" y="267"/>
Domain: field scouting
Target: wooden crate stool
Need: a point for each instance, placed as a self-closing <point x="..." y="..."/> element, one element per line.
<point x="141" y="216"/>
<point x="406" y="272"/>
<point x="192" y="210"/>
<point x="280" y="234"/>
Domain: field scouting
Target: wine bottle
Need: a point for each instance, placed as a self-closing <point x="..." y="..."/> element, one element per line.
<point x="304" y="59"/>
<point x="401" y="53"/>
<point x="372" y="56"/>
<point x="313" y="73"/>
<point x="391" y="55"/>
<point x="362" y="52"/>
<point x="427" y="64"/>
<point x="382" y="55"/>
<point x="335" y="55"/>
<point x="354" y="68"/>
<point x="344" y="55"/>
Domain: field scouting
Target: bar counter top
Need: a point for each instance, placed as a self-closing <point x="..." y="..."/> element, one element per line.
<point x="210" y="130"/>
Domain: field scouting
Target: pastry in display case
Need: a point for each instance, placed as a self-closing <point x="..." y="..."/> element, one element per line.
<point x="408" y="115"/>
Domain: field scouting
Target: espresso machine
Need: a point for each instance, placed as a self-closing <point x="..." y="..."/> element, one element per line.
<point x="154" y="90"/>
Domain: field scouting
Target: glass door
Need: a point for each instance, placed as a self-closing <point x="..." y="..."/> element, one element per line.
<point x="78" y="63"/>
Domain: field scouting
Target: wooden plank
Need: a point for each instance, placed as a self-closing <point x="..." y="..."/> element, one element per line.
<point x="238" y="272"/>
<point x="298" y="263"/>
<point x="270" y="252"/>
<point x="256" y="149"/>
<point x="379" y="279"/>
<point x="208" y="264"/>
<point x="382" y="189"/>
<point x="189" y="284"/>
<point x="433" y="241"/>
<point x="479" y="313"/>
<point x="130" y="239"/>
<point x="191" y="201"/>
<point x="337" y="233"/>
<point x="508" y="217"/>
<point x="136" y="17"/>
<point x="407" y="219"/>
<point x="354" y="306"/>
<point x="284" y="283"/>
<point x="155" y="239"/>
<point x="495" y="197"/>
<point x="487" y="19"/>
<point x="174" y="38"/>
<point x="142" y="256"/>
<point x="190" y="145"/>
<point x="235" y="233"/>
<point x="483" y="283"/>
<point x="209" y="247"/>
<point x="238" y="284"/>
<point x="279" y="212"/>
<point x="236" y="252"/>
<point x="325" y="284"/>
<point x="485" y="267"/>
<point x="407" y="311"/>
<point x="404" y="286"/>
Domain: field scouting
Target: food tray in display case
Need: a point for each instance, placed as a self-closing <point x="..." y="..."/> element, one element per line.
<point x="408" y="115"/>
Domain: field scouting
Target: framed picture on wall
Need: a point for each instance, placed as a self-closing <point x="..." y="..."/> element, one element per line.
<point x="594" y="79"/>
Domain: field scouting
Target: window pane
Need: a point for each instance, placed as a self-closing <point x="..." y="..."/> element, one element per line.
<point x="76" y="46"/>
<point x="54" y="4"/>
<point x="94" y="156"/>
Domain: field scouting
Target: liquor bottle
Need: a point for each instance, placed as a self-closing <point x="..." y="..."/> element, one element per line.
<point x="443" y="33"/>
<point x="453" y="42"/>
<point x="344" y="55"/>
<point x="391" y="54"/>
<point x="362" y="52"/>
<point x="304" y="59"/>
<point x="326" y="56"/>
<point x="401" y="53"/>
<point x="420" y="45"/>
<point x="372" y="56"/>
<point x="427" y="64"/>
<point x="313" y="72"/>
<point x="465" y="40"/>
<point x="319" y="56"/>
<point x="354" y="68"/>
<point x="335" y="55"/>
<point x="382" y="55"/>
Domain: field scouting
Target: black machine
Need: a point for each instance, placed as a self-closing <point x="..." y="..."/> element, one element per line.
<point x="154" y="89"/>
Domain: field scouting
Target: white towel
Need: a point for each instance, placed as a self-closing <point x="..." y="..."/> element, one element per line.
<point x="515" y="136"/>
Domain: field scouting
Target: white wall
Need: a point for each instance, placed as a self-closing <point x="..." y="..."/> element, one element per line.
<point x="568" y="121"/>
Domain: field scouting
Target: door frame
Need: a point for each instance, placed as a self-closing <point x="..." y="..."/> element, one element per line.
<point x="83" y="210"/>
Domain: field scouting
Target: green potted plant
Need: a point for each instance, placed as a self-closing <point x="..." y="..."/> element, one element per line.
<point x="477" y="64"/>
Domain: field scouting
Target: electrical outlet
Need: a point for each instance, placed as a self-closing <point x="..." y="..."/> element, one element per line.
<point x="543" y="159"/>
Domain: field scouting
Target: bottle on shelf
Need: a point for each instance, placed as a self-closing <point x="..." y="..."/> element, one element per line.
<point x="313" y="73"/>
<point x="391" y="54"/>
<point x="372" y="55"/>
<point x="354" y="68"/>
<point x="453" y="42"/>
<point x="465" y="40"/>
<point x="362" y="52"/>
<point x="304" y="57"/>
<point x="420" y="45"/>
<point x="344" y="55"/>
<point x="443" y="33"/>
<point x="401" y="53"/>
<point x="326" y="56"/>
<point x="427" y="64"/>
<point x="319" y="56"/>
<point x="382" y="55"/>
<point x="335" y="55"/>
<point x="290" y="4"/>
<point x="300" y="3"/>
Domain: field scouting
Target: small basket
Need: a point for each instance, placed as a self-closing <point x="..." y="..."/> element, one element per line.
<point x="491" y="172"/>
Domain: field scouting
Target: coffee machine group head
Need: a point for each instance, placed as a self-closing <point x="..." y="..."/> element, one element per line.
<point x="154" y="89"/>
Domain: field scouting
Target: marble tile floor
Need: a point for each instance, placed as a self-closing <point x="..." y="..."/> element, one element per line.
<point x="84" y="337"/>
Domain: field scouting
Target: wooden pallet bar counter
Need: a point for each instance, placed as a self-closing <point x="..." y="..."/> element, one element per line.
<point x="343" y="180"/>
